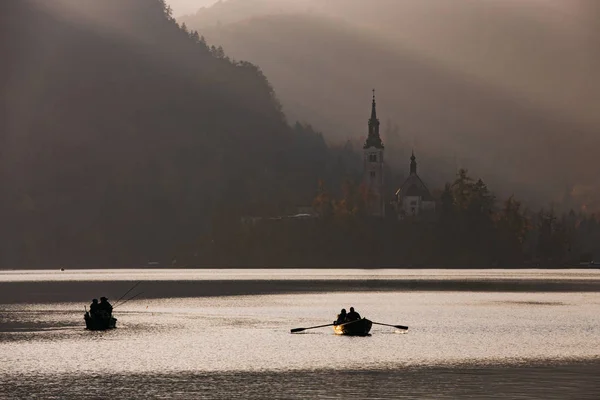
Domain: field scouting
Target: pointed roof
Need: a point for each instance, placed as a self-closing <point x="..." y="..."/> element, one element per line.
<point x="413" y="164"/>
<point x="374" y="109"/>
<point x="413" y="185"/>
<point x="373" y="140"/>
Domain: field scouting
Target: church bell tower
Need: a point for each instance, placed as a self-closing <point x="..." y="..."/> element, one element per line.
<point x="373" y="166"/>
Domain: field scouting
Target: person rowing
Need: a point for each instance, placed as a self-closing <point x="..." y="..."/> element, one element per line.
<point x="341" y="318"/>
<point x="352" y="315"/>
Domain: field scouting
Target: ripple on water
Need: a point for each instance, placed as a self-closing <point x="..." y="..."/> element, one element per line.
<point x="533" y="381"/>
<point x="251" y="333"/>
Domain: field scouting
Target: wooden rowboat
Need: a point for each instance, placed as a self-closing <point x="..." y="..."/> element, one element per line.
<point x="360" y="327"/>
<point x="100" y="323"/>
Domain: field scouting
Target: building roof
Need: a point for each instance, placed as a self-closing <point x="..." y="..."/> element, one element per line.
<point x="373" y="140"/>
<point x="413" y="186"/>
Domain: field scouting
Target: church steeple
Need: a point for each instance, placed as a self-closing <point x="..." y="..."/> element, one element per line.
<point x="413" y="164"/>
<point x="373" y="140"/>
<point x="374" y="109"/>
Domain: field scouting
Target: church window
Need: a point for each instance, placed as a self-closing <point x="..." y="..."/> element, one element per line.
<point x="372" y="174"/>
<point x="372" y="157"/>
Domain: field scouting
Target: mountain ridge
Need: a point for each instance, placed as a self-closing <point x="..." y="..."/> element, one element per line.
<point x="301" y="73"/>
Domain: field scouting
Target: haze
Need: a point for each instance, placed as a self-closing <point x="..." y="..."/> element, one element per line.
<point x="127" y="137"/>
<point x="181" y="7"/>
<point x="503" y="87"/>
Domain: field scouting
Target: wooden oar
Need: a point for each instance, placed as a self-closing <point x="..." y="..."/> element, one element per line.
<point x="312" y="327"/>
<point x="393" y="326"/>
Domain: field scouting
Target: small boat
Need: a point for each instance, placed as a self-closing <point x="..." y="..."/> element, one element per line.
<point x="360" y="327"/>
<point x="99" y="323"/>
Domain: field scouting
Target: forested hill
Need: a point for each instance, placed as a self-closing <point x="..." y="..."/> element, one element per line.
<point x="504" y="88"/>
<point x="123" y="135"/>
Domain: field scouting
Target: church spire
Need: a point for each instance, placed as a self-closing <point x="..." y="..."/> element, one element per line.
<point x="413" y="164"/>
<point x="374" y="108"/>
<point x="373" y="140"/>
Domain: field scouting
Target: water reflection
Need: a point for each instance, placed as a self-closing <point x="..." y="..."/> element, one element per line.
<point x="252" y="332"/>
<point x="536" y="381"/>
<point x="460" y="344"/>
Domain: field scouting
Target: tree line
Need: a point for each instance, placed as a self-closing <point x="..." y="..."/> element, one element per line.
<point x="471" y="228"/>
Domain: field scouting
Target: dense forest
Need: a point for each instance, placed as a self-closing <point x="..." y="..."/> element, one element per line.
<point x="471" y="228"/>
<point x="123" y="133"/>
<point x="504" y="88"/>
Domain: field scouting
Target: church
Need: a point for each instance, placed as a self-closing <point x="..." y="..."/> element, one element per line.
<point x="411" y="199"/>
<point x="373" y="167"/>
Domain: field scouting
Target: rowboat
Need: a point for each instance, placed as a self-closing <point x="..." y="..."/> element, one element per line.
<point x="99" y="323"/>
<point x="360" y="327"/>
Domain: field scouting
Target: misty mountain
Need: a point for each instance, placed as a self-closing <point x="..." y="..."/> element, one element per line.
<point x="123" y="135"/>
<point x="504" y="88"/>
<point x="184" y="7"/>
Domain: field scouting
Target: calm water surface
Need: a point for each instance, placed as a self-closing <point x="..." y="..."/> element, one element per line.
<point x="460" y="343"/>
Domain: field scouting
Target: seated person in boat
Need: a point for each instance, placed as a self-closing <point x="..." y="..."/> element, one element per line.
<point x="341" y="318"/>
<point x="94" y="307"/>
<point x="352" y="315"/>
<point x="105" y="306"/>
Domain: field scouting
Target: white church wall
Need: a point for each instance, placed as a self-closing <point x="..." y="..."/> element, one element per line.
<point x="411" y="205"/>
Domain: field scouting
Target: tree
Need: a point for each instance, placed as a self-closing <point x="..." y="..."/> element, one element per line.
<point x="322" y="203"/>
<point x="352" y="204"/>
<point x="447" y="203"/>
<point x="462" y="189"/>
<point x="553" y="239"/>
<point x="512" y="226"/>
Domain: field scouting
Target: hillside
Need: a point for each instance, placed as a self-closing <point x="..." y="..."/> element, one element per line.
<point x="123" y="136"/>
<point x="506" y="97"/>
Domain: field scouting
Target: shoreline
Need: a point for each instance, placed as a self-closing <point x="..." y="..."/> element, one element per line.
<point x="591" y="267"/>
<point x="81" y="291"/>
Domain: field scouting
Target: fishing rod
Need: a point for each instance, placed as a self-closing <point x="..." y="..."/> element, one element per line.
<point x="129" y="299"/>
<point x="126" y="293"/>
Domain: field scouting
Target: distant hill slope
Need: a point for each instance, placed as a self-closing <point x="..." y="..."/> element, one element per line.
<point x="122" y="135"/>
<point x="230" y="11"/>
<point x="507" y="128"/>
<point x="545" y="51"/>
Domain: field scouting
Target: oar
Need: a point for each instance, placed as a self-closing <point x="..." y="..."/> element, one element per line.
<point x="312" y="327"/>
<point x="127" y="292"/>
<point x="393" y="326"/>
<point x="129" y="299"/>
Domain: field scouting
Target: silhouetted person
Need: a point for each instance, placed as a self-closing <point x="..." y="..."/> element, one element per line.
<point x="341" y="318"/>
<point x="94" y="308"/>
<point x="352" y="315"/>
<point x="105" y="306"/>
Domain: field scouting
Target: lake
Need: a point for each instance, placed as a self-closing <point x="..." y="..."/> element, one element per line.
<point x="226" y="334"/>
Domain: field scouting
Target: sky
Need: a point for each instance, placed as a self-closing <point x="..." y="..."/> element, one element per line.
<point x="181" y="7"/>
